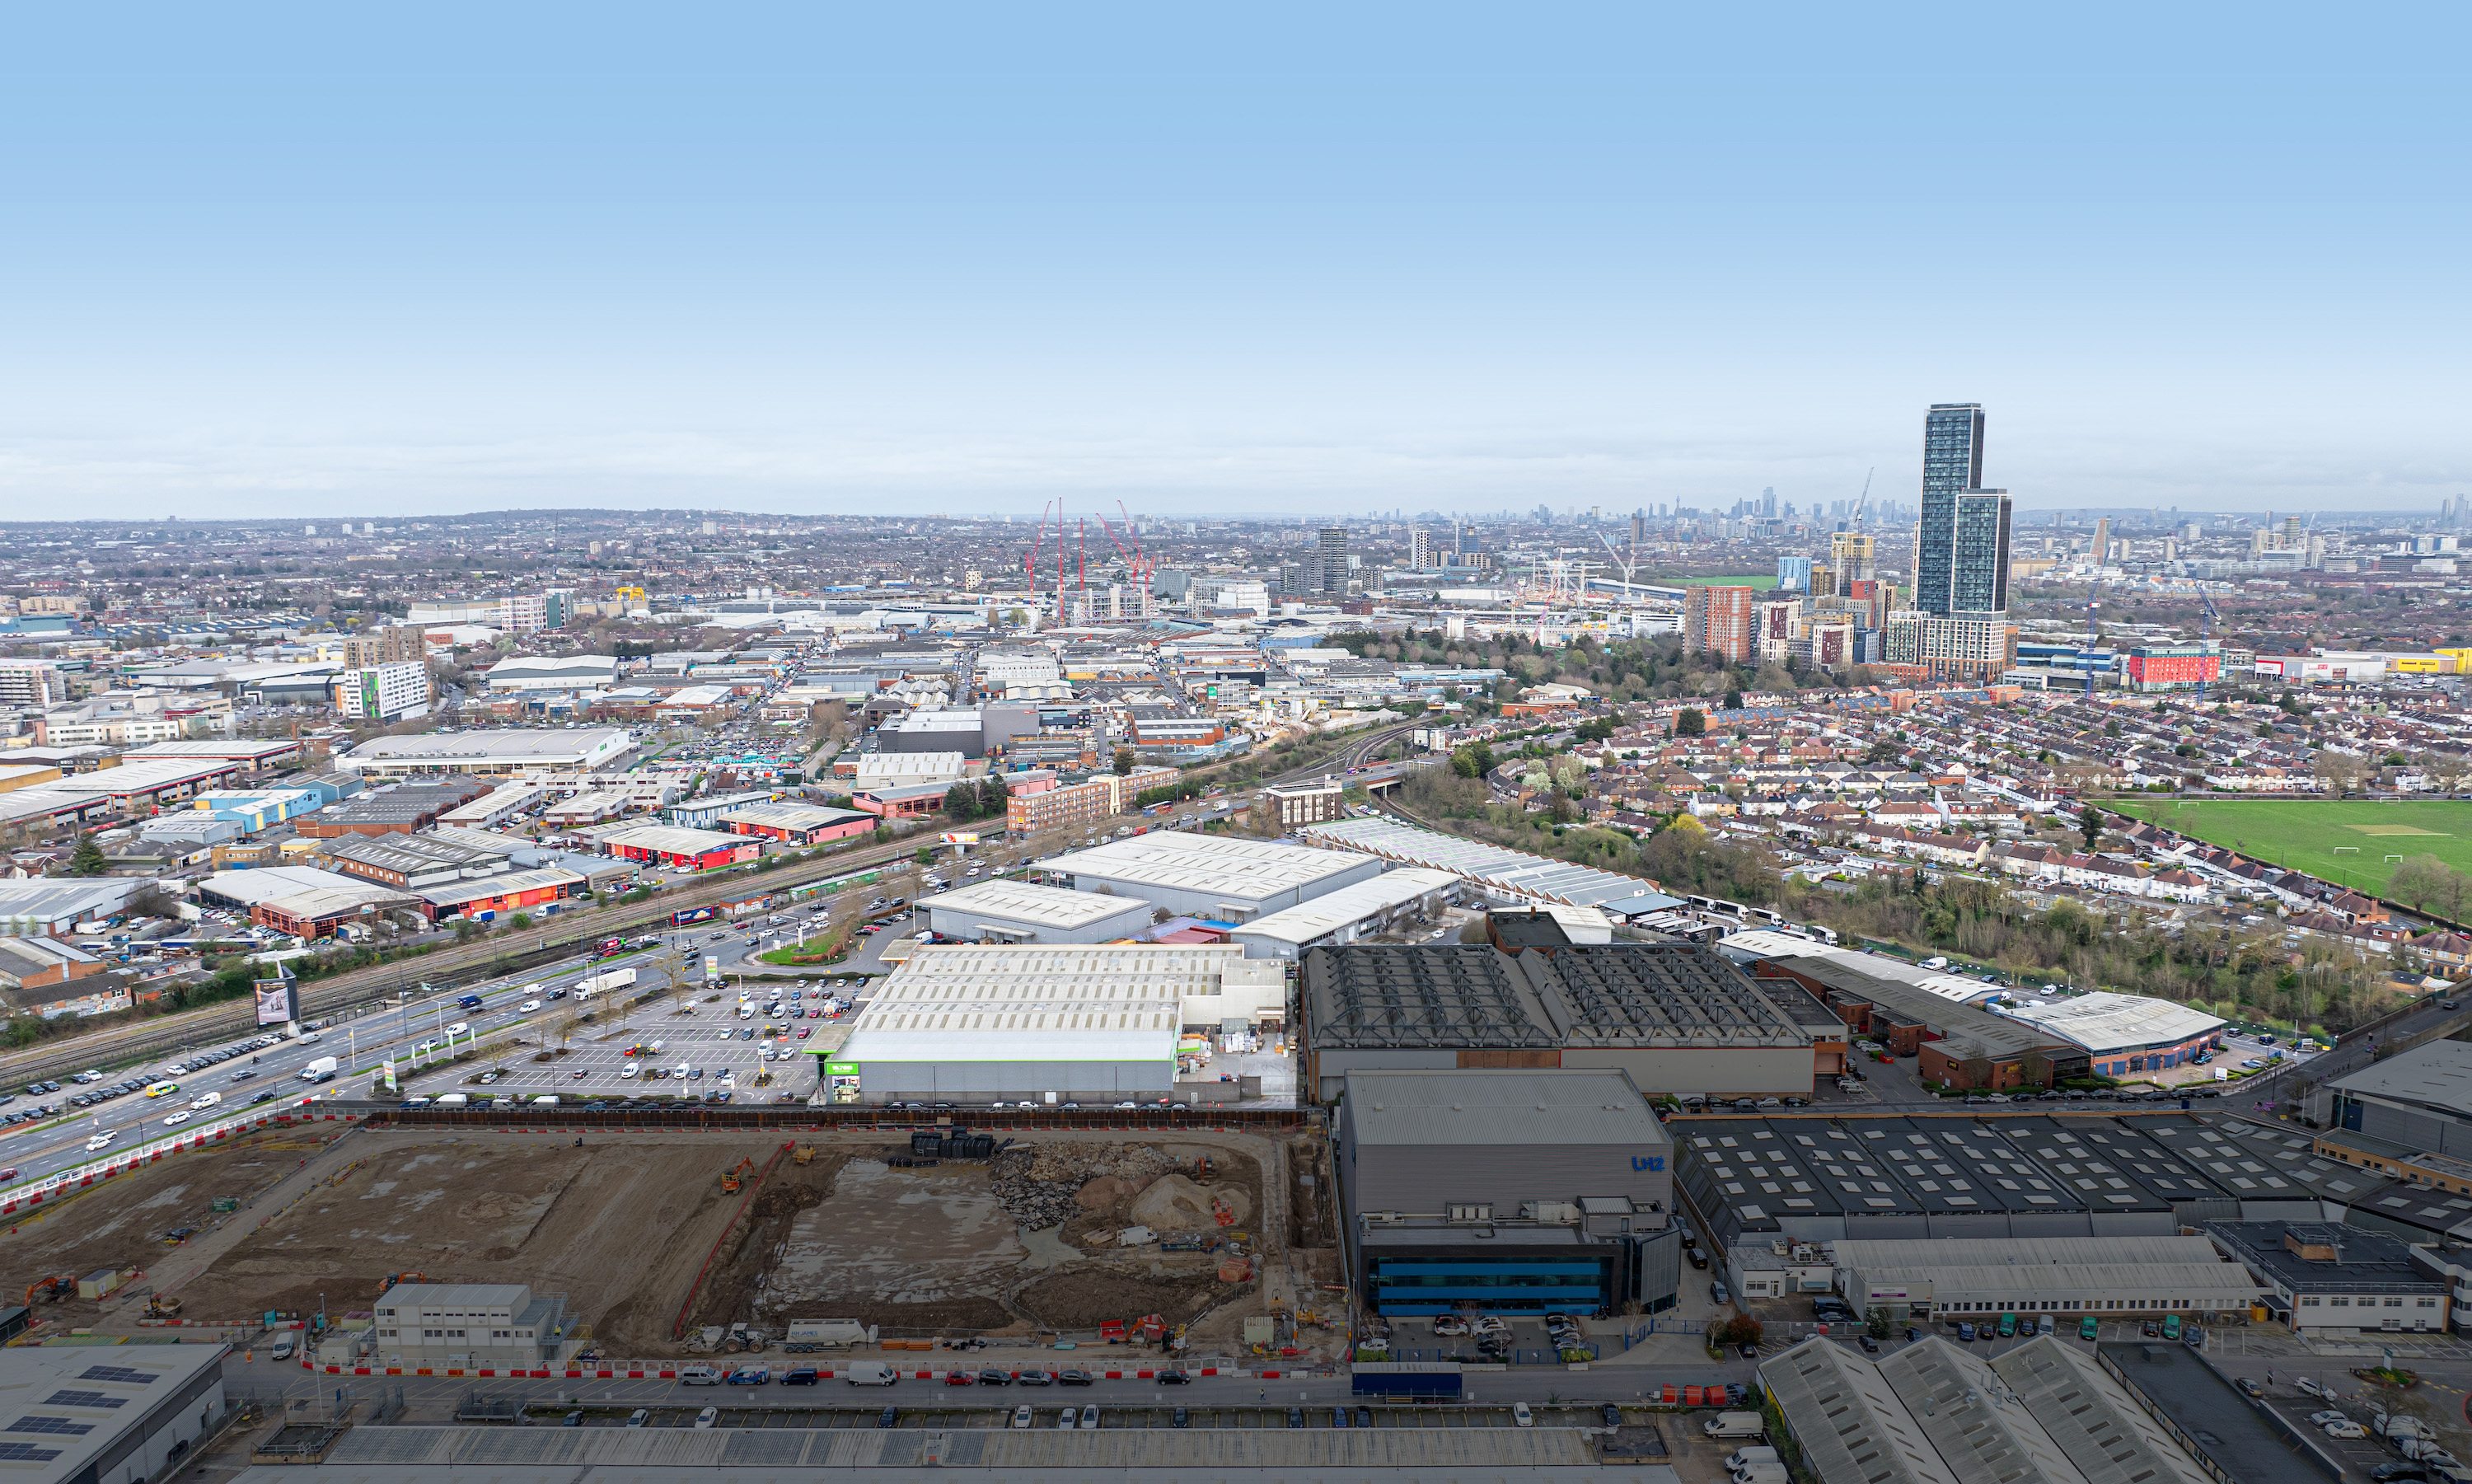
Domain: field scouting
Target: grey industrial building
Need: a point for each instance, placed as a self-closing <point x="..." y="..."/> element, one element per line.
<point x="1214" y="878"/>
<point x="2420" y="1099"/>
<point x="1935" y="1413"/>
<point x="1517" y="1191"/>
<point x="1823" y="1179"/>
<point x="1003" y="910"/>
<point x="2323" y="1275"/>
<point x="1676" y="1018"/>
<point x="108" y="1415"/>
<point x="2068" y="1277"/>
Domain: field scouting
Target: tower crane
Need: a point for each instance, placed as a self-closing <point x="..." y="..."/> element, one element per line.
<point x="2094" y="637"/>
<point x="2207" y="619"/>
<point x="1864" y="501"/>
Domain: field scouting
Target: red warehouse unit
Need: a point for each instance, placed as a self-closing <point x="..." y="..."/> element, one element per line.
<point x="678" y="849"/>
<point x="517" y="890"/>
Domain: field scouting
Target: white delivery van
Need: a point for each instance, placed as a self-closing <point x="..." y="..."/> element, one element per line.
<point x="452" y="1100"/>
<point x="546" y="1100"/>
<point x="281" y="1351"/>
<point x="1734" y="1424"/>
<point x="1744" y="1457"/>
<point x="698" y="1375"/>
<point x="872" y="1372"/>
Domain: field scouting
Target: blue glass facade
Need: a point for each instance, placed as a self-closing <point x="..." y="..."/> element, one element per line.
<point x="1429" y="1284"/>
<point x="1961" y="542"/>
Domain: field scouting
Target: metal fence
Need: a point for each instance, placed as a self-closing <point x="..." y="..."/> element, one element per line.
<point x="799" y="1115"/>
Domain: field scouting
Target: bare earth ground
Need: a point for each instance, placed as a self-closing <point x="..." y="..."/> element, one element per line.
<point x="1019" y="1245"/>
<point x="121" y="1223"/>
<point x="619" y="1229"/>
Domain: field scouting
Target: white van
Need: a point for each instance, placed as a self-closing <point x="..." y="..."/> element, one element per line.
<point x="281" y="1351"/>
<point x="546" y="1100"/>
<point x="872" y="1372"/>
<point x="698" y="1375"/>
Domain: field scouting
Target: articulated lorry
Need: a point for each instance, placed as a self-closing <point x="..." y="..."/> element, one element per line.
<point x="603" y="982"/>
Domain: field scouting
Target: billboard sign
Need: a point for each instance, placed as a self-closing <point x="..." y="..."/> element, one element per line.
<point x="278" y="1000"/>
<point x="958" y="837"/>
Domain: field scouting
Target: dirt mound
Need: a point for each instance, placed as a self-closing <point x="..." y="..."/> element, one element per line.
<point x="1084" y="1297"/>
<point x="1102" y="1193"/>
<point x="1175" y="1204"/>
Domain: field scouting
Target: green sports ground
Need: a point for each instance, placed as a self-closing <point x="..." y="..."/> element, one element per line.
<point x="2345" y="840"/>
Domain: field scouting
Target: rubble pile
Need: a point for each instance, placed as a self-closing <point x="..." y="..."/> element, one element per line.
<point x="1051" y="1185"/>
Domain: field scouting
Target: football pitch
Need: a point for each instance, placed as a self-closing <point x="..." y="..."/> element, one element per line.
<point x="2345" y="840"/>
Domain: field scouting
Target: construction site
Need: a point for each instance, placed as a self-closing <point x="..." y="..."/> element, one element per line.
<point x="679" y="1242"/>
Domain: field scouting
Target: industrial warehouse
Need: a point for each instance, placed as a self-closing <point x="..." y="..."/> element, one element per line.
<point x="1216" y="877"/>
<point x="1046" y="1024"/>
<point x="1677" y="1017"/>
<point x="1515" y="1192"/>
<point x="1411" y="896"/>
<point x="1002" y="911"/>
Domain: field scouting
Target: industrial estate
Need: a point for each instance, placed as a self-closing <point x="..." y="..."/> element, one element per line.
<point x="1837" y="990"/>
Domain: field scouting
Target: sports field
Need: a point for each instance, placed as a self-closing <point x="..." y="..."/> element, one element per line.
<point x="1763" y="580"/>
<point x="2344" y="840"/>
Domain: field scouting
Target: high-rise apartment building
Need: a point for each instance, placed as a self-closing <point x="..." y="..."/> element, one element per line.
<point x="1962" y="540"/>
<point x="1850" y="561"/>
<point x="2102" y="550"/>
<point x="1332" y="559"/>
<point x="1720" y="621"/>
<point x="1424" y="554"/>
<point x="1794" y="574"/>
<point x="383" y="692"/>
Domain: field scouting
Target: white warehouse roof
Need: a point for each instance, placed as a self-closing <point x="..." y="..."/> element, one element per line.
<point x="1035" y="906"/>
<point x="2107" y="1021"/>
<point x="1349" y="905"/>
<point x="1237" y="870"/>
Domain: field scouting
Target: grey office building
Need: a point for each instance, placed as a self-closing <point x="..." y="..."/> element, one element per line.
<point x="1331" y="560"/>
<point x="1961" y="542"/>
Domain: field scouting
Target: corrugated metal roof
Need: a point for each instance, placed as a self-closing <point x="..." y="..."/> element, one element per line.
<point x="1332" y="911"/>
<point x="1979" y="1433"/>
<point x="2095" y="1421"/>
<point x="1041" y="906"/>
<point x="1849" y="1419"/>
<point x="2107" y="1021"/>
<point x="1237" y="870"/>
<point x="1514" y="872"/>
<point x="1501" y="1106"/>
<point x="2436" y="1074"/>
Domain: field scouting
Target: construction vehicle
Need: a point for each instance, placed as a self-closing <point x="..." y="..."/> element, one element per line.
<point x="730" y="1179"/>
<point x="1202" y="1170"/>
<point x="53" y="1289"/>
<point x="1150" y="1328"/>
<point x="163" y="1306"/>
<point x="805" y="1154"/>
<point x="393" y="1279"/>
<point x="1222" y="1211"/>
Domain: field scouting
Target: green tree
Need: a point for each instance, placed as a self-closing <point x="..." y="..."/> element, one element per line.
<point x="1472" y="760"/>
<point x="1124" y="761"/>
<point x="1692" y="722"/>
<point x="962" y="802"/>
<point x="1733" y="701"/>
<point x="925" y="856"/>
<point x="88" y="859"/>
<point x="2090" y="823"/>
<point x="993" y="796"/>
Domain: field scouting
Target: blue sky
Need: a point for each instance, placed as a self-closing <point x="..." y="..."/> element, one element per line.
<point x="325" y="261"/>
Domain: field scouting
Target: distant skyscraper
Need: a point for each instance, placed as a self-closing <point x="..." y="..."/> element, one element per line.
<point x="1961" y="542"/>
<point x="2102" y="550"/>
<point x="1332" y="559"/>
<point x="1768" y="502"/>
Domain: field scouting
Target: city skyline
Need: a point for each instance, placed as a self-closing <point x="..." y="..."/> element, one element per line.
<point x="1305" y="264"/>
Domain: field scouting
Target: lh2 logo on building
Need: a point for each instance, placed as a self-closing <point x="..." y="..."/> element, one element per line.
<point x="1648" y="1162"/>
